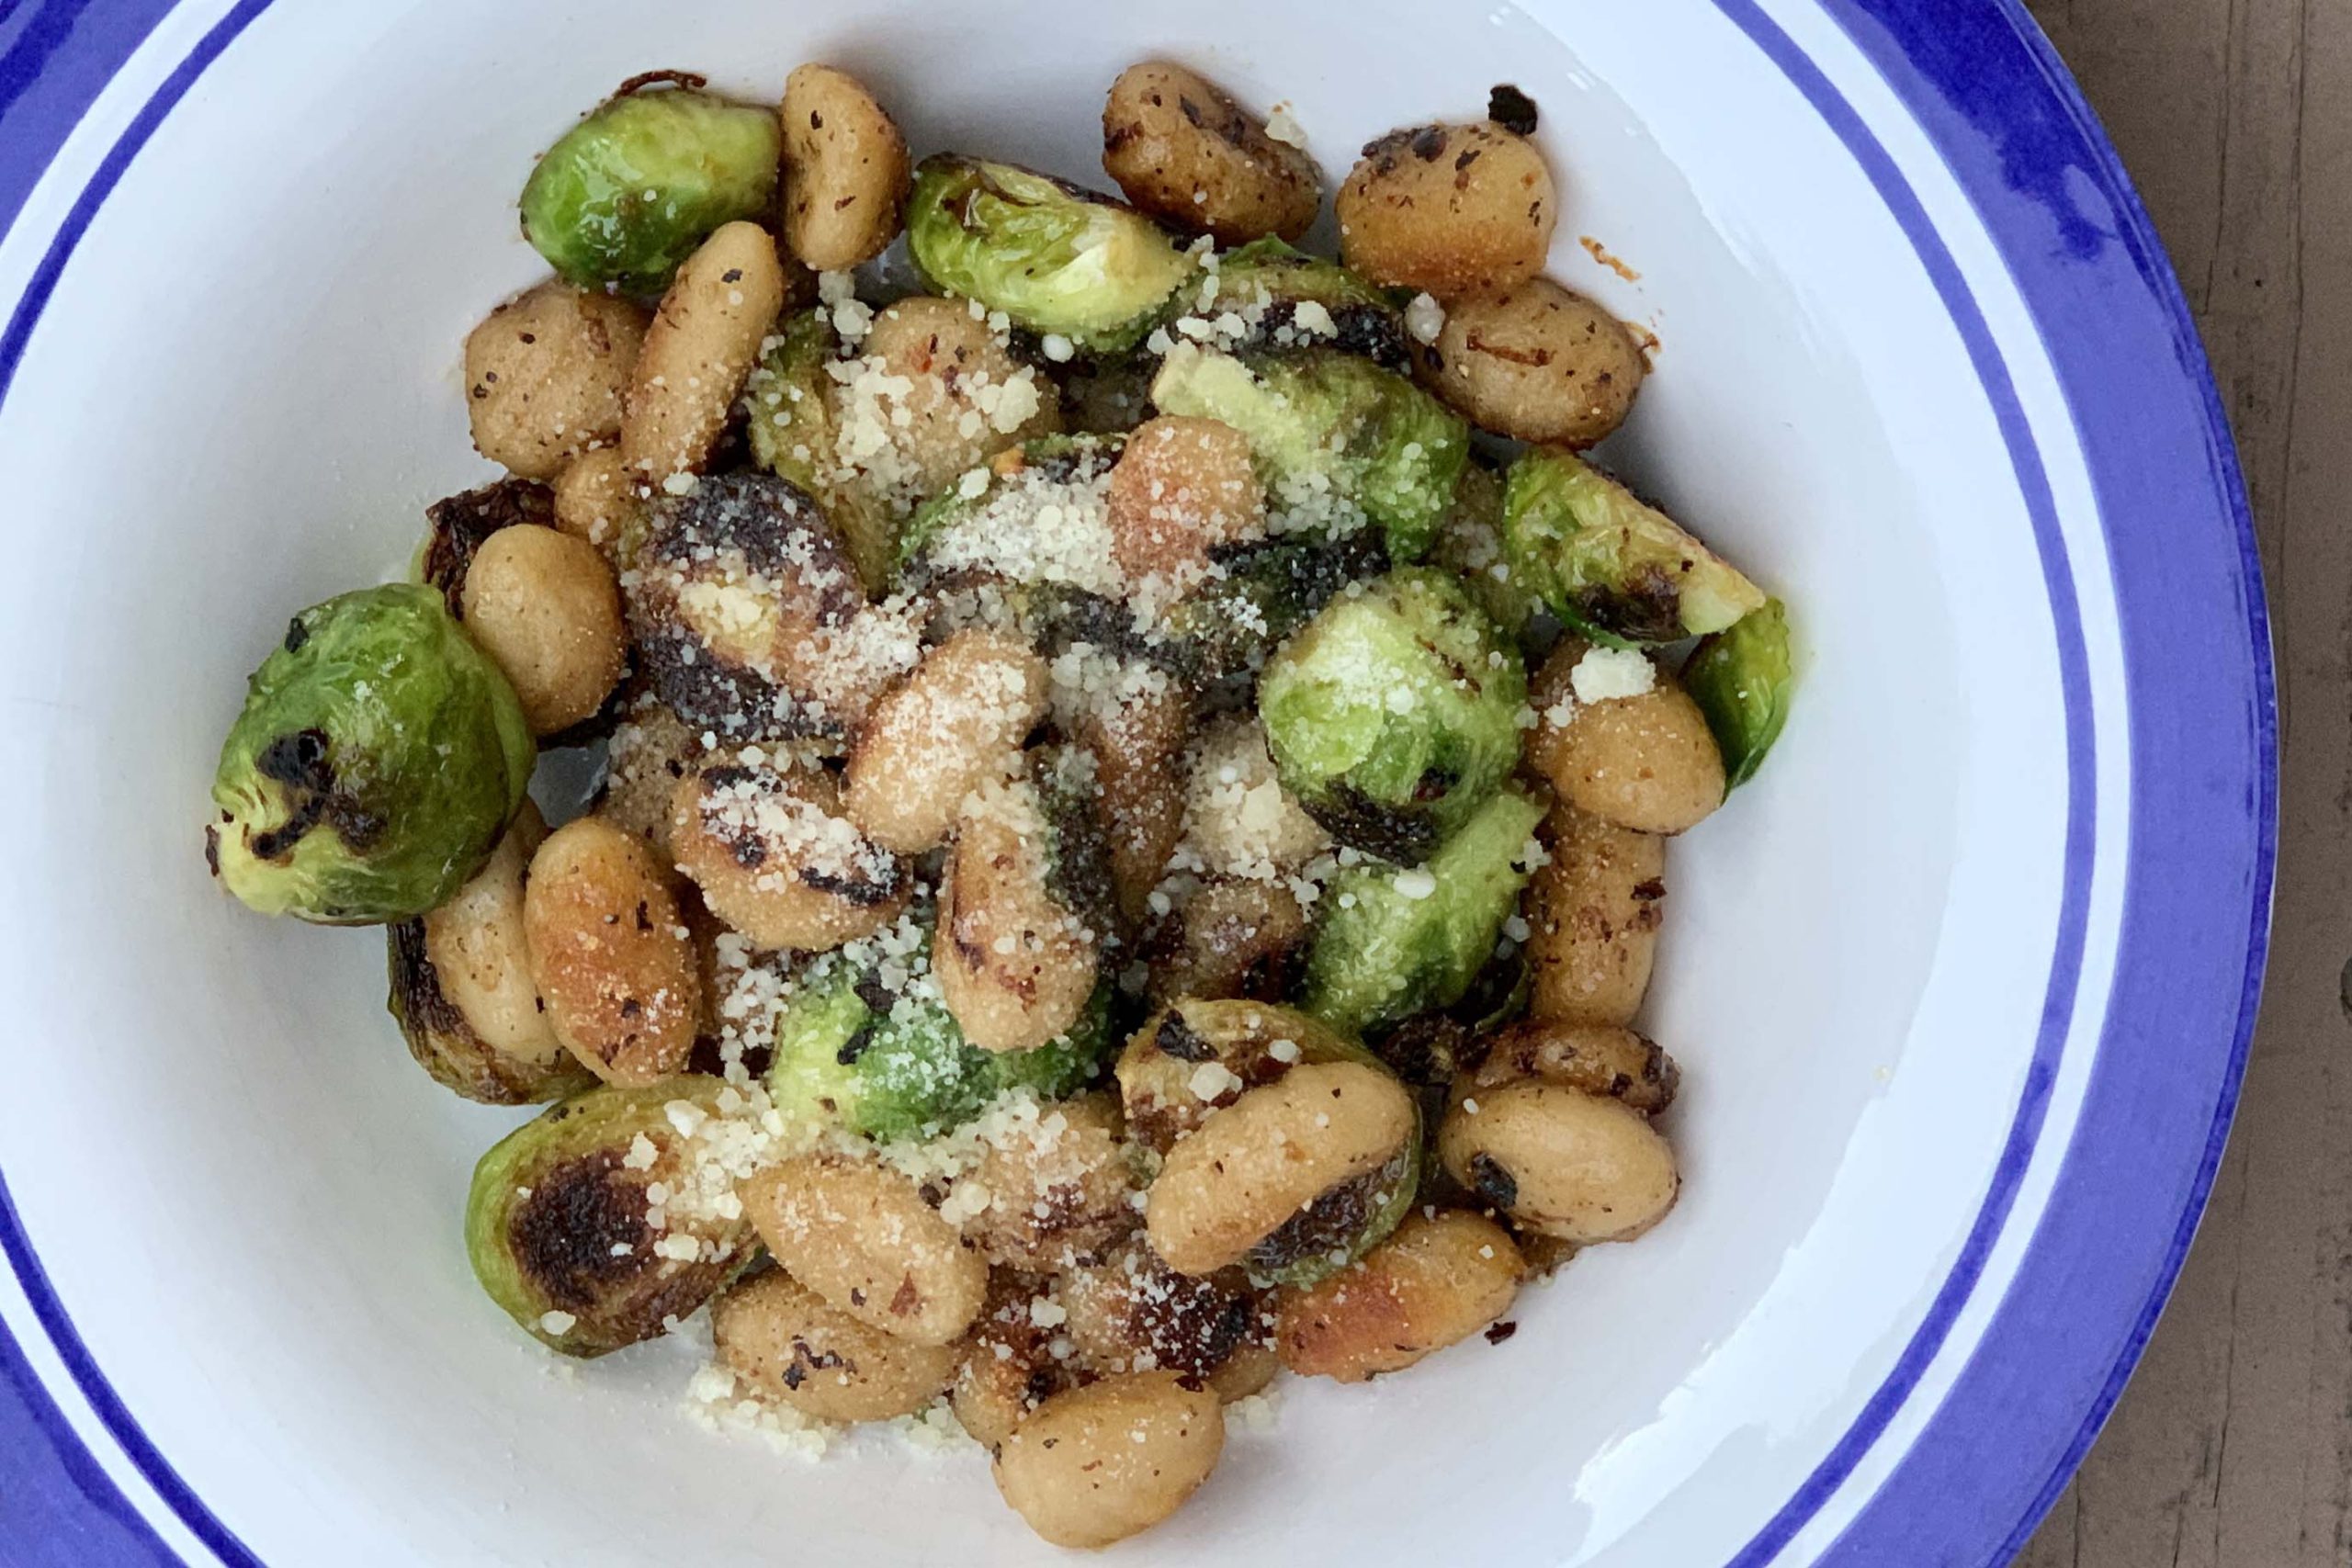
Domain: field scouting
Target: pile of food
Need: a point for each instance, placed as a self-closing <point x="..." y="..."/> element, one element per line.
<point x="1136" y="768"/>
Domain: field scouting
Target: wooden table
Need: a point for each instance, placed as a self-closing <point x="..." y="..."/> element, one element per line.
<point x="2233" y="1446"/>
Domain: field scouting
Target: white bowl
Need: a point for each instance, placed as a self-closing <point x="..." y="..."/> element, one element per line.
<point x="1961" y="984"/>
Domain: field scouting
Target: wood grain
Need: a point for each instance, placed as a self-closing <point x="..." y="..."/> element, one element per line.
<point x="2232" y="1446"/>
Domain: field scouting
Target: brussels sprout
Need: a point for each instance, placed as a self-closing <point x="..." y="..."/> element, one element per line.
<point x="379" y="756"/>
<point x="795" y="436"/>
<point x="1470" y="544"/>
<point x="1337" y="437"/>
<point x="1343" y="1224"/>
<point x="1394" y="942"/>
<point x="1619" y="571"/>
<point x="1262" y="593"/>
<point x="1267" y="281"/>
<point x="556" y="1220"/>
<point x="1054" y="258"/>
<point x="863" y="1041"/>
<point x="984" y="524"/>
<point x="1396" y="712"/>
<point x="1742" y="679"/>
<point x="745" y="607"/>
<point x="629" y="192"/>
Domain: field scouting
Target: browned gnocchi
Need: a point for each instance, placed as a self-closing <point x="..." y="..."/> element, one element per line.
<point x="1618" y="738"/>
<point x="861" y="1238"/>
<point x="1594" y="910"/>
<point x="1436" y="1281"/>
<point x="546" y="376"/>
<point x="785" y="1340"/>
<point x="547" y="608"/>
<point x="1184" y="151"/>
<point x="699" y="350"/>
<point x="1112" y="1459"/>
<point x="609" y="955"/>
<point x="845" y="170"/>
<point x="1448" y="209"/>
<point x="1536" y="363"/>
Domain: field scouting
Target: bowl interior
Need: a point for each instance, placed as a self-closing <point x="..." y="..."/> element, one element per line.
<point x="245" y="388"/>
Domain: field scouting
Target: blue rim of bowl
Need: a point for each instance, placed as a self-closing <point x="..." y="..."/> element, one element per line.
<point x="2027" y="153"/>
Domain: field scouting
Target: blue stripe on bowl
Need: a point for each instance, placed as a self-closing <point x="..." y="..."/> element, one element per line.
<point x="1978" y="77"/>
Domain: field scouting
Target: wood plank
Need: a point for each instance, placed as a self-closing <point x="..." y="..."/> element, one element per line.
<point x="2233" y="1448"/>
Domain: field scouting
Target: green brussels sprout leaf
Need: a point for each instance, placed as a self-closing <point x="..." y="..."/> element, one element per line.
<point x="633" y="189"/>
<point x="378" y="757"/>
<point x="1392" y="943"/>
<point x="1053" y="257"/>
<point x="1742" y="679"/>
<point x="1395" y="715"/>
<point x="1621" y="572"/>
<point x="1336" y="437"/>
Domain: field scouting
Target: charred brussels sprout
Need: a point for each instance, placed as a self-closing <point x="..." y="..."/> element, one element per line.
<point x="1395" y="715"/>
<point x="1620" y="571"/>
<point x="863" y="1042"/>
<point x="557" y="1229"/>
<point x="1470" y="545"/>
<point x="1742" y="679"/>
<point x="1262" y="593"/>
<point x="795" y="434"/>
<point x="1054" y="258"/>
<point x="986" y="524"/>
<point x="1394" y="942"/>
<point x="629" y="192"/>
<point x="378" y="759"/>
<point x="1338" y="438"/>
<point x="1292" y="299"/>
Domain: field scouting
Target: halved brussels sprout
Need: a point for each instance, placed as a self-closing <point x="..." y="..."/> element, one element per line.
<point x="989" y="523"/>
<point x="1623" y="572"/>
<point x="1395" y="714"/>
<point x="378" y="759"/>
<point x="558" y="1220"/>
<point x="864" y="1042"/>
<point x="1742" y="679"/>
<point x="1054" y="258"/>
<point x="748" y="613"/>
<point x="1394" y="942"/>
<point x="1338" y="438"/>
<point x="795" y="435"/>
<point x="1271" y="281"/>
<point x="629" y="192"/>
<point x="1260" y="595"/>
<point x="1470" y="544"/>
